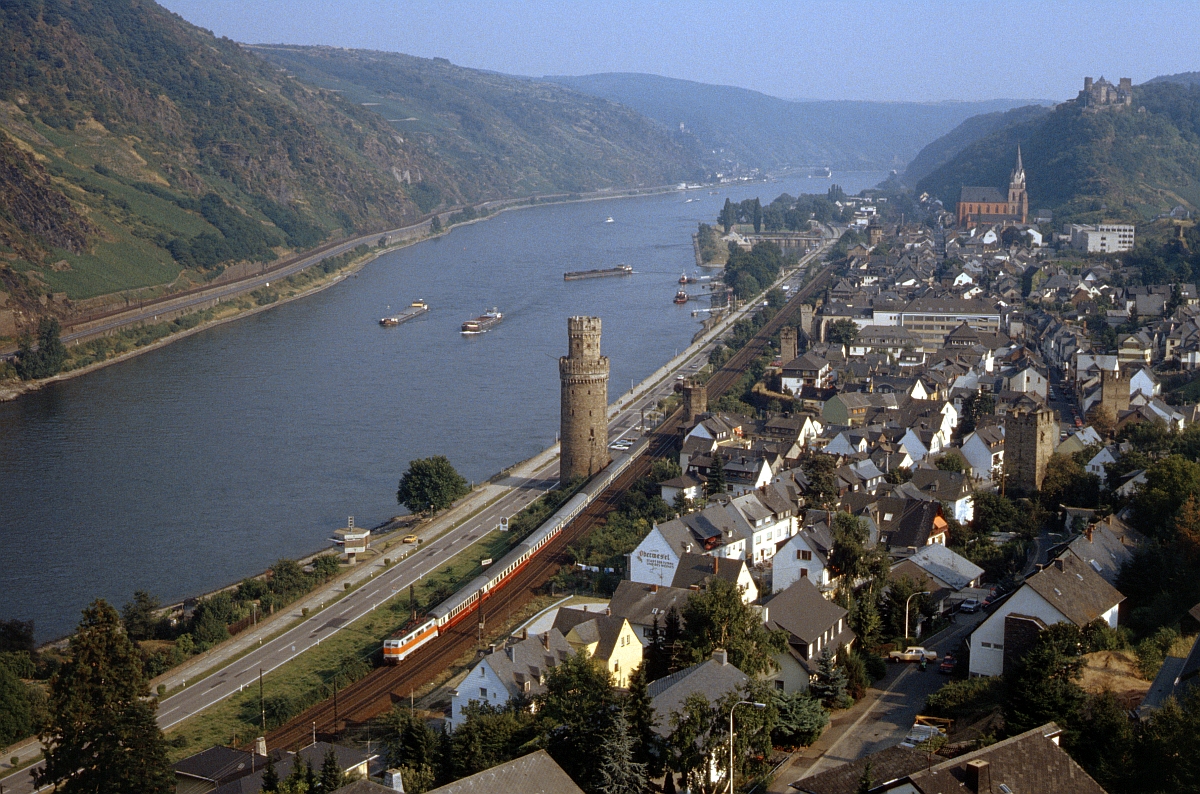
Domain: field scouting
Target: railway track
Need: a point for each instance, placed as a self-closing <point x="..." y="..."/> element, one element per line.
<point x="371" y="696"/>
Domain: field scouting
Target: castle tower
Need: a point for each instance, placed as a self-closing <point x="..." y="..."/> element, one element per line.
<point x="1018" y="198"/>
<point x="584" y="423"/>
<point x="1114" y="391"/>
<point x="789" y="344"/>
<point x="1029" y="437"/>
<point x="695" y="402"/>
<point x="806" y="320"/>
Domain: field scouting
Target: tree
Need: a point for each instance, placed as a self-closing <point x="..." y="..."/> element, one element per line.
<point x="716" y="617"/>
<point x="48" y="357"/>
<point x="331" y="773"/>
<point x="975" y="407"/>
<point x="728" y="216"/>
<point x="101" y="736"/>
<point x="829" y="687"/>
<point x="620" y="772"/>
<point x="270" y="778"/>
<point x="431" y="484"/>
<point x="1067" y="484"/>
<point x="1169" y="482"/>
<point x="1041" y="685"/>
<point x="16" y="636"/>
<point x="896" y="603"/>
<point x="639" y="712"/>
<point x="581" y="703"/>
<point x="435" y="224"/>
<point x="801" y="719"/>
<point x="409" y="740"/>
<point x="842" y="332"/>
<point x="716" y="475"/>
<point x="139" y="616"/>
<point x="952" y="461"/>
<point x="15" y="721"/>
<point x="1102" y="419"/>
<point x="757" y="216"/>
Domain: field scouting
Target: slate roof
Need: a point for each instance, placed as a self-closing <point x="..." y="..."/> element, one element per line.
<point x="1102" y="550"/>
<point x="911" y="524"/>
<point x="528" y="660"/>
<point x="953" y="569"/>
<point x="591" y="627"/>
<point x="697" y="569"/>
<point x="946" y="486"/>
<point x="535" y="773"/>
<point x="1028" y="762"/>
<point x="363" y="787"/>
<point x="712" y="678"/>
<point x="1164" y="684"/>
<point x="982" y="195"/>
<point x="892" y="764"/>
<point x="1074" y="589"/>
<point x="218" y="764"/>
<point x="637" y="602"/>
<point x="803" y="612"/>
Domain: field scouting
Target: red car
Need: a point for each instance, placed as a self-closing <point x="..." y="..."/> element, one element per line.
<point x="948" y="664"/>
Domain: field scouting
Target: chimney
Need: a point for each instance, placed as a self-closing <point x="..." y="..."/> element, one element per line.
<point x="260" y="745"/>
<point x="653" y="588"/>
<point x="608" y="611"/>
<point x="979" y="776"/>
<point x="721" y="656"/>
<point x="546" y="640"/>
<point x="512" y="653"/>
<point x="716" y="564"/>
<point x="391" y="779"/>
<point x="1088" y="532"/>
<point x="525" y="633"/>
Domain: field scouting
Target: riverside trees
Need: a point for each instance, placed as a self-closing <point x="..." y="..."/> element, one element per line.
<point x="431" y="484"/>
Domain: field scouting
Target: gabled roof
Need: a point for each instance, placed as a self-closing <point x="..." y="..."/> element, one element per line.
<point x="528" y="660"/>
<point x="712" y="678"/>
<point x="1079" y="593"/>
<point x="697" y="569"/>
<point x="591" y="627"/>
<point x="641" y="603"/>
<point x="982" y="195"/>
<point x="946" y="486"/>
<point x="953" y="569"/>
<point x="888" y="765"/>
<point x="218" y="764"/>
<point x="803" y="612"/>
<point x="535" y="773"/>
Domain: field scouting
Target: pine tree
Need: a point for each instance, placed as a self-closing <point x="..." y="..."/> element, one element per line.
<point x="830" y="686"/>
<point x="101" y="736"/>
<point x="295" y="779"/>
<point x="672" y="634"/>
<point x="270" y="778"/>
<point x="331" y="773"/>
<point x="716" y="476"/>
<point x="866" y="780"/>
<point x="727" y="216"/>
<point x="310" y="777"/>
<point x="758" y="218"/>
<point x="619" y="773"/>
<point x="640" y="715"/>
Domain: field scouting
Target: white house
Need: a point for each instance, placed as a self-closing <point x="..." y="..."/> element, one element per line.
<point x="1143" y="382"/>
<point x="1066" y="590"/>
<point x="984" y="451"/>
<point x="805" y="555"/>
<point x="813" y="624"/>
<point x="762" y="525"/>
<point x="519" y="669"/>
<point x="949" y="487"/>
<point x="1101" y="459"/>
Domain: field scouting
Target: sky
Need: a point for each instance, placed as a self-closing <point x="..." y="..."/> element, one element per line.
<point x="804" y="49"/>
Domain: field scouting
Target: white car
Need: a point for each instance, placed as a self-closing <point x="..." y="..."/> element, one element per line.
<point x="914" y="653"/>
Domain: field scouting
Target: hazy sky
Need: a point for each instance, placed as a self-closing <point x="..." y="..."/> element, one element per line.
<point x="915" y="50"/>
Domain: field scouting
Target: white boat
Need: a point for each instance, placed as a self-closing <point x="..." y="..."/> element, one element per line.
<point x="609" y="219"/>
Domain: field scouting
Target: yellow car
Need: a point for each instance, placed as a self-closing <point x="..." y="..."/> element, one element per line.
<point x="410" y="538"/>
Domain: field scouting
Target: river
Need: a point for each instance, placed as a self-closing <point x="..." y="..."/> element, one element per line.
<point x="201" y="463"/>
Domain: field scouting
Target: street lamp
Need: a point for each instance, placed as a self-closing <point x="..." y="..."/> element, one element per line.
<point x="910" y="598"/>
<point x="731" y="710"/>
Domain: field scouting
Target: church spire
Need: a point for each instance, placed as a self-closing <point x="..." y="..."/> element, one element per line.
<point x="1020" y="166"/>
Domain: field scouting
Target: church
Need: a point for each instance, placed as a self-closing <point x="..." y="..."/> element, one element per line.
<point x="988" y="205"/>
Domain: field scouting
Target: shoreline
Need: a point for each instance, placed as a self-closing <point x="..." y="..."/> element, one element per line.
<point x="20" y="388"/>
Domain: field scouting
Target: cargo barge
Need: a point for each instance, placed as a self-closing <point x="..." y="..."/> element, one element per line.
<point x="415" y="309"/>
<point x="482" y="323"/>
<point x="619" y="270"/>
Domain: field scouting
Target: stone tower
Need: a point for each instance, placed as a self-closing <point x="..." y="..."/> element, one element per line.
<point x="695" y="402"/>
<point x="1114" y="391"/>
<point x="789" y="345"/>
<point x="584" y="375"/>
<point x="806" y="320"/>
<point x="1029" y="437"/>
<point x="1018" y="198"/>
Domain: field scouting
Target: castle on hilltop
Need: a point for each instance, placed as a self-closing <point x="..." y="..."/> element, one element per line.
<point x="1103" y="93"/>
<point x="988" y="205"/>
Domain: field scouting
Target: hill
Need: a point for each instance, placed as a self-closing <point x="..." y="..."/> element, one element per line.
<point x="748" y="129"/>
<point x="499" y="135"/>
<point x="1087" y="164"/>
<point x="962" y="136"/>
<point x="1183" y="78"/>
<point x="139" y="152"/>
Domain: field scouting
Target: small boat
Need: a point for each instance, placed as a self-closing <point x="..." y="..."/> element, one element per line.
<point x="681" y="297"/>
<point x="609" y="219"/>
<point x="821" y="173"/>
<point x="482" y="323"/>
<point x="415" y="309"/>
<point x="684" y="279"/>
<point x="619" y="270"/>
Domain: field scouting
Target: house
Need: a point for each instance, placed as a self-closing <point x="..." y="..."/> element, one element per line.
<point x="846" y="409"/>
<point x="940" y="571"/>
<point x="805" y="555"/>
<point x="952" y="488"/>
<point x="813" y="624"/>
<point x="645" y="606"/>
<point x="609" y="639"/>
<point x="1028" y="762"/>
<point x="518" y="669"/>
<point x="535" y="773"/>
<point x="807" y="370"/>
<point x="695" y="571"/>
<point x="350" y="760"/>
<point x="710" y="530"/>
<point x="1105" y="546"/>
<point x="689" y="486"/>
<point x="1066" y="590"/>
<point x="984" y="451"/>
<point x="1107" y="455"/>
<point x="908" y="524"/>
<point x="714" y="679"/>
<point x="212" y="768"/>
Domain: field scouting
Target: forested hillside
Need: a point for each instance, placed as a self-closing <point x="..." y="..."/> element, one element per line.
<point x="139" y="151"/>
<point x="1087" y="164"/>
<point x="962" y="136"/>
<point x="746" y="129"/>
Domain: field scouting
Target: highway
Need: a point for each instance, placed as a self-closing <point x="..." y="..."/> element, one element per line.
<point x="445" y="538"/>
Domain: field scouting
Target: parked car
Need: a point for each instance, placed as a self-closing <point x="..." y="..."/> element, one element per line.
<point x="410" y="538"/>
<point x="948" y="664"/>
<point x="971" y="605"/>
<point x="914" y="653"/>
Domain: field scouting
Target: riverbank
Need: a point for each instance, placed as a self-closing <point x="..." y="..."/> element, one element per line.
<point x="408" y="236"/>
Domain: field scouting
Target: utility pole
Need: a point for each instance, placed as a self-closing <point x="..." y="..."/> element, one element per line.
<point x="262" y="704"/>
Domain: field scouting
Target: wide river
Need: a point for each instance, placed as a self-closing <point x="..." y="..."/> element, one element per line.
<point x="198" y="464"/>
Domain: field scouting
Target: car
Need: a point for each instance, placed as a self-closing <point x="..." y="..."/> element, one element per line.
<point x="410" y="538"/>
<point x="948" y="664"/>
<point x="971" y="605"/>
<point x="914" y="653"/>
<point x="920" y="734"/>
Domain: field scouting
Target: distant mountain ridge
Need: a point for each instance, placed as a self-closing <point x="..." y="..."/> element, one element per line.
<point x="944" y="148"/>
<point x="1086" y="163"/>
<point x="738" y="127"/>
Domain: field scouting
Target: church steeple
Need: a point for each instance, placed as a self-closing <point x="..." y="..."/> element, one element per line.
<point x="1018" y="199"/>
<point x="1018" y="174"/>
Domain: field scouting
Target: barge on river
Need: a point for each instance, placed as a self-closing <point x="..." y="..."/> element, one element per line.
<point x="482" y="323"/>
<point x="415" y="309"/>
<point x="619" y="270"/>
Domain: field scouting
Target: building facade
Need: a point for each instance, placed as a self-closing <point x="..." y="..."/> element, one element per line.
<point x="584" y="421"/>
<point x="1029" y="438"/>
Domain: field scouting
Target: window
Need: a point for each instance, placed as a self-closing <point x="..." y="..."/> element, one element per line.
<point x="803" y="573"/>
<point x="986" y="644"/>
<point x="778" y="685"/>
<point x="483" y="692"/>
<point x="806" y="554"/>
